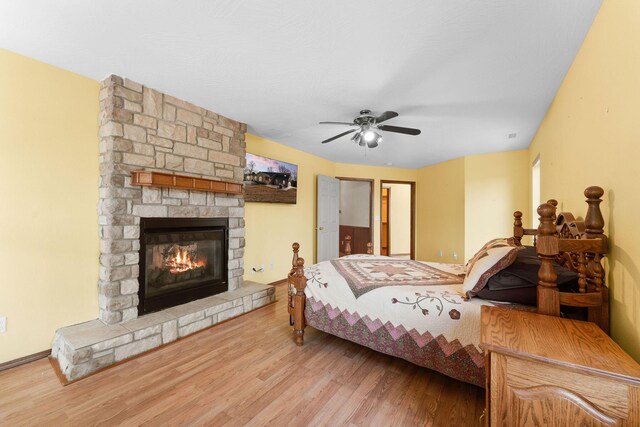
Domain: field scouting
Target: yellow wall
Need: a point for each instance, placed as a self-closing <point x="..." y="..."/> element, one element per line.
<point x="495" y="186"/>
<point x="440" y="200"/>
<point x="48" y="187"/>
<point x="400" y="219"/>
<point x="465" y="202"/>
<point x="470" y="198"/>
<point x="271" y="228"/>
<point x="591" y="136"/>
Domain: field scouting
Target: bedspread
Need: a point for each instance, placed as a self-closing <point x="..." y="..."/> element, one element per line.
<point x="409" y="309"/>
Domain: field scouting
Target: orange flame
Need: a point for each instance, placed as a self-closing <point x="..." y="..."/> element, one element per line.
<point x="182" y="262"/>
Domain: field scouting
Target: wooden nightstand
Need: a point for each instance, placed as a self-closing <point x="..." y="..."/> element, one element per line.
<point x="549" y="371"/>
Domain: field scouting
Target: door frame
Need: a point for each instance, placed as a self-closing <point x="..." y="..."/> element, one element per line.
<point x="412" y="254"/>
<point x="371" y="184"/>
<point x="388" y="233"/>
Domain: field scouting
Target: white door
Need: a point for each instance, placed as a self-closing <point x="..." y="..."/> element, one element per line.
<point x="328" y="217"/>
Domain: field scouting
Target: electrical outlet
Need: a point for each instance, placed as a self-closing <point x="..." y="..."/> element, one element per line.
<point x="3" y="324"/>
<point x="270" y="266"/>
<point x="455" y="255"/>
<point x="440" y="253"/>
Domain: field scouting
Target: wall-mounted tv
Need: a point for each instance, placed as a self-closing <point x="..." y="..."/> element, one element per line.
<point x="270" y="181"/>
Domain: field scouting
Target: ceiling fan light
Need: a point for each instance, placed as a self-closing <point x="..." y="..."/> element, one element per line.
<point x="369" y="135"/>
<point x="374" y="143"/>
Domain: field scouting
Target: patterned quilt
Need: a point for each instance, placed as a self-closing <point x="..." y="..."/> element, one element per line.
<point x="364" y="275"/>
<point x="409" y="309"/>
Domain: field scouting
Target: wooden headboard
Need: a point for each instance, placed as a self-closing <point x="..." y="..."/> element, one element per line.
<point x="576" y="244"/>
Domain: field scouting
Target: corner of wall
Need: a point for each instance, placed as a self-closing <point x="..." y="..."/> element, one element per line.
<point x="441" y="210"/>
<point x="589" y="136"/>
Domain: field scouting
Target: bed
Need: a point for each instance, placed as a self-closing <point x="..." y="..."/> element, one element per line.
<point x="429" y="313"/>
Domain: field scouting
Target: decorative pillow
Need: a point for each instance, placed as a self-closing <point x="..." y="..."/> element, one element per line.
<point x="518" y="283"/>
<point x="524" y="296"/>
<point x="523" y="273"/>
<point x="494" y="256"/>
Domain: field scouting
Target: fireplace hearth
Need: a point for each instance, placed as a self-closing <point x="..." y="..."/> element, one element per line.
<point x="181" y="260"/>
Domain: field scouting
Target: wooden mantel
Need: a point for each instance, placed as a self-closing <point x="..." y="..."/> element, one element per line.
<point x="167" y="180"/>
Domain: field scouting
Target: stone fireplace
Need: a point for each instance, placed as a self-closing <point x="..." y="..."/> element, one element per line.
<point x="142" y="128"/>
<point x="174" y="252"/>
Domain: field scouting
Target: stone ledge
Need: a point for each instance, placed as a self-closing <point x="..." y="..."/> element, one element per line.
<point x="87" y="347"/>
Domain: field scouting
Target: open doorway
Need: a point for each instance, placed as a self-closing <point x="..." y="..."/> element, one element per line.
<point x="397" y="219"/>
<point x="356" y="219"/>
<point x="535" y="190"/>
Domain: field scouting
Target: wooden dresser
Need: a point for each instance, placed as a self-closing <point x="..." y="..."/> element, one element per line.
<point x="549" y="371"/>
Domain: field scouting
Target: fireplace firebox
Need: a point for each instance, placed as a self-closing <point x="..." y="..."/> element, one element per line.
<point x="181" y="260"/>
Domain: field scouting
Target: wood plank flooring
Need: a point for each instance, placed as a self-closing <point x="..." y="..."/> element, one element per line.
<point x="246" y="371"/>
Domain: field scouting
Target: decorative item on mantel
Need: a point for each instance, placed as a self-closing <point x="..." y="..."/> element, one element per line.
<point x="167" y="180"/>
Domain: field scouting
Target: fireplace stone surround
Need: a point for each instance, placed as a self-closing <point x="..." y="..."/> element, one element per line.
<point x="144" y="129"/>
<point x="141" y="128"/>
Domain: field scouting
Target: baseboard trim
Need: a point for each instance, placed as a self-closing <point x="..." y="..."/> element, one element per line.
<point x="24" y="360"/>
<point x="278" y="282"/>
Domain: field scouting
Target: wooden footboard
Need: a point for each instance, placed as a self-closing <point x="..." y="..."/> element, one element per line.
<point x="577" y="245"/>
<point x="297" y="282"/>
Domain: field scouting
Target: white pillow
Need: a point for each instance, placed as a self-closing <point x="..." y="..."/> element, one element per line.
<point x="494" y="256"/>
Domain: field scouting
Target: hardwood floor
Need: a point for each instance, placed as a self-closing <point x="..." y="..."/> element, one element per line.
<point x="246" y="371"/>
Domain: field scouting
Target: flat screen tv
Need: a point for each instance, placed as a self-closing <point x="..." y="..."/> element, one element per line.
<point x="270" y="181"/>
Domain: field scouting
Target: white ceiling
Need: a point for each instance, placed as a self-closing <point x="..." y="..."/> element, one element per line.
<point x="465" y="72"/>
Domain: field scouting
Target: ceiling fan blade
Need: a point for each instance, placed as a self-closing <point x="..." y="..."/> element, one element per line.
<point x="399" y="129"/>
<point x="338" y="136"/>
<point x="338" y="123"/>
<point x="386" y="116"/>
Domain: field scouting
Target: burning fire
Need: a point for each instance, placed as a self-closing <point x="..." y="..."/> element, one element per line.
<point x="181" y="261"/>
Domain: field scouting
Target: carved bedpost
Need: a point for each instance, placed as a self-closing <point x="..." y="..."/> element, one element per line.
<point x="518" y="231"/>
<point x="296" y="248"/>
<point x="369" y="248"/>
<point x="347" y="245"/>
<point x="299" y="299"/>
<point x="547" y="249"/>
<point x="593" y="221"/>
<point x="594" y="229"/>
<point x="554" y="203"/>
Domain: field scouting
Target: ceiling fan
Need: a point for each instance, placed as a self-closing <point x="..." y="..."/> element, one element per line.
<point x="366" y="127"/>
